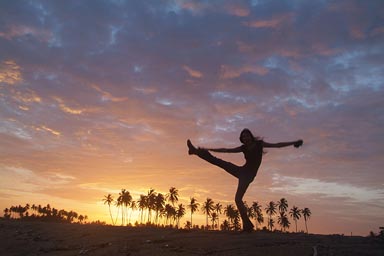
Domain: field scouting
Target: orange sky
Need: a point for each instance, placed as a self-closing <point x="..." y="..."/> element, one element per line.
<point x="100" y="96"/>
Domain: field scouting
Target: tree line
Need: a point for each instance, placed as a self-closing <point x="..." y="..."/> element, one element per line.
<point x="45" y="213"/>
<point x="161" y="209"/>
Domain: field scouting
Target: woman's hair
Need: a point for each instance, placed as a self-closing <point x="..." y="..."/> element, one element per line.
<point x="253" y="137"/>
<point x="245" y="130"/>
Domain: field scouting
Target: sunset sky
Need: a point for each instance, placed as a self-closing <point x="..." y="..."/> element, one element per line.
<point x="96" y="96"/>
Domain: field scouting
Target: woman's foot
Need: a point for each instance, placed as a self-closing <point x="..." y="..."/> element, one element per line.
<point x="248" y="227"/>
<point x="248" y="230"/>
<point x="191" y="149"/>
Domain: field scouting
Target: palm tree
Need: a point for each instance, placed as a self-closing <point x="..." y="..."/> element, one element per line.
<point x="283" y="221"/>
<point x="230" y="212"/>
<point x="258" y="215"/>
<point x="214" y="218"/>
<point x="306" y="214"/>
<point x="71" y="216"/>
<point x="119" y="203"/>
<point x="151" y="200"/>
<point x="142" y="205"/>
<point x="26" y="208"/>
<point x="7" y="213"/>
<point x="39" y="210"/>
<point x="62" y="214"/>
<point x="180" y="212"/>
<point x="218" y="208"/>
<point x="81" y="218"/>
<point x="124" y="200"/>
<point x="127" y="199"/>
<point x="54" y="212"/>
<point x="271" y="210"/>
<point x="48" y="210"/>
<point x="159" y="205"/>
<point x="34" y="209"/>
<point x="250" y="212"/>
<point x="108" y="200"/>
<point x="271" y="224"/>
<point x="207" y="208"/>
<point x="133" y="208"/>
<point x="236" y="220"/>
<point x="225" y="225"/>
<point x="173" y="195"/>
<point x="193" y="205"/>
<point x="170" y="212"/>
<point x="283" y="205"/>
<point x="295" y="214"/>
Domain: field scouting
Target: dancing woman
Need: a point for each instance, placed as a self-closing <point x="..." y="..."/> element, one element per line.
<point x="252" y="148"/>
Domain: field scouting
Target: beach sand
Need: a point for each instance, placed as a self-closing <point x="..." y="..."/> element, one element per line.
<point x="40" y="238"/>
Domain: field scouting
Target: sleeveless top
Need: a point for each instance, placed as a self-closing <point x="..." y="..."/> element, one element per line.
<point x="253" y="156"/>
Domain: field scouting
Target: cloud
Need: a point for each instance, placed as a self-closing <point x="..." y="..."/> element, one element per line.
<point x="10" y="72"/>
<point x="233" y="72"/>
<point x="272" y="23"/>
<point x="56" y="133"/>
<point x="106" y="96"/>
<point x="30" y="181"/>
<point x="25" y="96"/>
<point x="15" y="31"/>
<point x="238" y="9"/>
<point x="192" y="72"/>
<point x="67" y="109"/>
<point x="305" y="186"/>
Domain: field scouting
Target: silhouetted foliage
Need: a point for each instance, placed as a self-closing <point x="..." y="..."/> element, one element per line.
<point x="160" y="210"/>
<point x="43" y="213"/>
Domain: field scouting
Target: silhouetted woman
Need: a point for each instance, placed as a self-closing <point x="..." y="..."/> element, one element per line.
<point x="252" y="148"/>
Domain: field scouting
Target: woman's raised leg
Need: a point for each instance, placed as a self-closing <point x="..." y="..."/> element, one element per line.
<point x="204" y="154"/>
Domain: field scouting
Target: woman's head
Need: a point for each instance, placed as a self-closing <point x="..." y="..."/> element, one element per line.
<point x="246" y="136"/>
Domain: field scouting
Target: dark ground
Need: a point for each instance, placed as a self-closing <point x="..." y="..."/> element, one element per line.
<point x="38" y="238"/>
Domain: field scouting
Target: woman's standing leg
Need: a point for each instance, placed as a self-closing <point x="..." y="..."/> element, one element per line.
<point x="241" y="189"/>
<point x="233" y="169"/>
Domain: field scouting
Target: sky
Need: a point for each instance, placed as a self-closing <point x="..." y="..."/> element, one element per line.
<point x="97" y="96"/>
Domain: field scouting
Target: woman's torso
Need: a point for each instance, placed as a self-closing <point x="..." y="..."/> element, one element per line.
<point x="253" y="155"/>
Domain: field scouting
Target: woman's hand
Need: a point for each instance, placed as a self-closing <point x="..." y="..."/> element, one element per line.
<point x="298" y="143"/>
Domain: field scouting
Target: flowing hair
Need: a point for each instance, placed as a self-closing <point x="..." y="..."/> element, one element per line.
<point x="257" y="138"/>
<point x="246" y="130"/>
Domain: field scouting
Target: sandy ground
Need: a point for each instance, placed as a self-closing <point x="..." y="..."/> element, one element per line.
<point x="37" y="238"/>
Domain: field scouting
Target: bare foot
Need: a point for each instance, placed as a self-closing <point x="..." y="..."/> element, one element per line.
<point x="191" y="149"/>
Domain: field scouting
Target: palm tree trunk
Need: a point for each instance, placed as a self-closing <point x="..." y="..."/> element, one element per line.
<point x="130" y="216"/>
<point x="118" y="209"/>
<point x="122" y="215"/>
<point x="110" y="213"/>
<point x="126" y="214"/>
<point x="191" y="220"/>
<point x="269" y="223"/>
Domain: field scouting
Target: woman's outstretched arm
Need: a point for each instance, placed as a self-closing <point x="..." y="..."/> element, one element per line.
<point x="296" y="143"/>
<point x="225" y="150"/>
